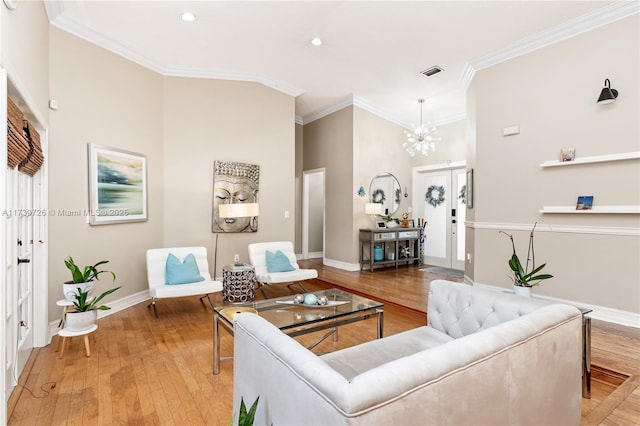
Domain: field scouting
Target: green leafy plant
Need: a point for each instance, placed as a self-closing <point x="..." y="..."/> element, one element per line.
<point x="87" y="273"/>
<point x="521" y="276"/>
<point x="246" y="418"/>
<point x="83" y="303"/>
<point x="388" y="218"/>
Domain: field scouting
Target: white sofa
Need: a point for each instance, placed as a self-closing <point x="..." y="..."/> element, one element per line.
<point x="485" y="358"/>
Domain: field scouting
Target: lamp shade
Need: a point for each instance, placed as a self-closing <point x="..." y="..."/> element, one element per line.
<point x="373" y="208"/>
<point x="607" y="95"/>
<point x="238" y="210"/>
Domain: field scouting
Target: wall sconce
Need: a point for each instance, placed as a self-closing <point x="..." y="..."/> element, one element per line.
<point x="608" y="94"/>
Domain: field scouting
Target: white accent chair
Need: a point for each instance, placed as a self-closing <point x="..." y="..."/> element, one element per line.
<point x="158" y="287"/>
<point x="258" y="258"/>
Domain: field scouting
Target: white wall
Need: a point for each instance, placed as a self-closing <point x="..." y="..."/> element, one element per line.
<point x="106" y="100"/>
<point x="551" y="94"/>
<point x="208" y="120"/>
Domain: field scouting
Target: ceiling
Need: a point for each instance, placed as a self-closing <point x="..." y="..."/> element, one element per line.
<point x="372" y="52"/>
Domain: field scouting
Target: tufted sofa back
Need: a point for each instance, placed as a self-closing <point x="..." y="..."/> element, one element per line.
<point x="461" y="309"/>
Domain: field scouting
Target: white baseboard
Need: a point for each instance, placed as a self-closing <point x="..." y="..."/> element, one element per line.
<point x="312" y="255"/>
<point x="602" y="313"/>
<point x="116" y="306"/>
<point x="351" y="267"/>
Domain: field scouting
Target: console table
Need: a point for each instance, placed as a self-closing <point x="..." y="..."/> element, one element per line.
<point x="389" y="247"/>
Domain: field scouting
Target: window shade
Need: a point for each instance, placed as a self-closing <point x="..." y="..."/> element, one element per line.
<point x="23" y="142"/>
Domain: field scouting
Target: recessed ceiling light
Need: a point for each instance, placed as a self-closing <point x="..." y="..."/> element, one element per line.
<point x="316" y="41"/>
<point x="188" y="17"/>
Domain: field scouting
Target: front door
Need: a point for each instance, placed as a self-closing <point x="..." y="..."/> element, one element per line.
<point x="443" y="207"/>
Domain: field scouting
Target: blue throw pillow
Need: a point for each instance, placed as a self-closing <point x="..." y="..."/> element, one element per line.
<point x="278" y="262"/>
<point x="182" y="272"/>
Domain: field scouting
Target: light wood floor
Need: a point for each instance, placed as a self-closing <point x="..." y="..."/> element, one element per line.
<point x="144" y="371"/>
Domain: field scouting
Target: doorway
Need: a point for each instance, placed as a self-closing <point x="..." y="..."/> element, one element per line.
<point x="313" y="213"/>
<point x="441" y="201"/>
<point x="23" y="230"/>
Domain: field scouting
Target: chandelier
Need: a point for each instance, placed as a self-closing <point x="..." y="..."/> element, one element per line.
<point x="422" y="139"/>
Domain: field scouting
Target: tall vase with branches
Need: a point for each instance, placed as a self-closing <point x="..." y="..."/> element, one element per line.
<point x="522" y="277"/>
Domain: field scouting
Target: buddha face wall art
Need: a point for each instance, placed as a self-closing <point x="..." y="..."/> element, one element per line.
<point x="234" y="183"/>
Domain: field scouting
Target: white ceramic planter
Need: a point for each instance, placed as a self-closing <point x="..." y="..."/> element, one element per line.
<point x="522" y="291"/>
<point x="79" y="321"/>
<point x="71" y="289"/>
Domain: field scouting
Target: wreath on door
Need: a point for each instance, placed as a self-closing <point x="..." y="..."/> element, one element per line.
<point x="435" y="195"/>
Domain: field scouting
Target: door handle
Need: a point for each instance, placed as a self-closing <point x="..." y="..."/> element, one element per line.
<point x="23" y="261"/>
<point x="453" y="221"/>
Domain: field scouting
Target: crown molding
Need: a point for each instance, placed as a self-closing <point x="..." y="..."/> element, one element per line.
<point x="72" y="26"/>
<point x="180" y="71"/>
<point x="616" y="11"/>
<point x="355" y="100"/>
<point x="329" y="109"/>
<point x="606" y="15"/>
<point x="380" y="112"/>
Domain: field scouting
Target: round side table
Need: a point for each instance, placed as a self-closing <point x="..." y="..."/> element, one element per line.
<point x="238" y="283"/>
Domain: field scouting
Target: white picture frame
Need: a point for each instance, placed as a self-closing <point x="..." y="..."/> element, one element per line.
<point x="117" y="186"/>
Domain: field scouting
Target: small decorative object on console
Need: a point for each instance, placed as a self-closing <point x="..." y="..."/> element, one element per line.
<point x="405" y="220"/>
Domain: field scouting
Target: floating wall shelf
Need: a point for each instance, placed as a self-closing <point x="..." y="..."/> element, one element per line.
<point x="593" y="159"/>
<point x="593" y="210"/>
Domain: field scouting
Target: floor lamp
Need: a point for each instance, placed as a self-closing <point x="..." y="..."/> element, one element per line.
<point x="226" y="211"/>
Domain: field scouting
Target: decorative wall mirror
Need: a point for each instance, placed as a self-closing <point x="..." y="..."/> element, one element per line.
<point x="385" y="189"/>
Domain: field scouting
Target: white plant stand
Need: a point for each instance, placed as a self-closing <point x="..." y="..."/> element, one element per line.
<point x="66" y="336"/>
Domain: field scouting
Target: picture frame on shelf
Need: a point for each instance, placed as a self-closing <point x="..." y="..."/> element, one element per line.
<point x="567" y="154"/>
<point x="117" y="186"/>
<point x="381" y="224"/>
<point x="585" y="202"/>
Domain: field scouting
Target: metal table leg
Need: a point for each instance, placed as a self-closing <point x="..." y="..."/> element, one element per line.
<point x="216" y="345"/>
<point x="586" y="357"/>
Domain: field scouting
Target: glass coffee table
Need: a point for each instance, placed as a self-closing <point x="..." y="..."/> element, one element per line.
<point x="298" y="319"/>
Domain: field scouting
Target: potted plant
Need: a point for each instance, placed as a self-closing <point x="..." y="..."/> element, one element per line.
<point x="522" y="279"/>
<point x="391" y="222"/>
<point x="81" y="278"/>
<point x="246" y="418"/>
<point x="85" y="311"/>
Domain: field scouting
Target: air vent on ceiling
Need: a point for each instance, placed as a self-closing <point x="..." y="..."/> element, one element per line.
<point x="431" y="71"/>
